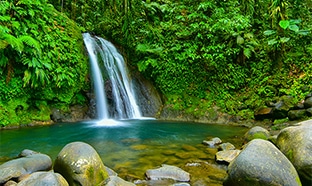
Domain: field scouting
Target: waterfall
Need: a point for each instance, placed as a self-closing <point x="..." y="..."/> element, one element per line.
<point x="114" y="92"/>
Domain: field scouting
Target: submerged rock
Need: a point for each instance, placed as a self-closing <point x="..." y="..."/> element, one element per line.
<point x="29" y="163"/>
<point x="213" y="142"/>
<point x="115" y="181"/>
<point x="168" y="172"/>
<point x="296" y="143"/>
<point x="261" y="164"/>
<point x="80" y="164"/>
<point x="44" y="178"/>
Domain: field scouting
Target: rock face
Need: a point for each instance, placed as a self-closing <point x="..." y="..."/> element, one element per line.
<point x="168" y="172"/>
<point x="80" y="164"/>
<point x="257" y="133"/>
<point x="44" y="178"/>
<point x="261" y="164"/>
<point x="28" y="164"/>
<point x="296" y="143"/>
<point x="149" y="99"/>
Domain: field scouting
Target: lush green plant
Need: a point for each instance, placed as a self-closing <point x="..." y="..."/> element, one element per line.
<point x="41" y="56"/>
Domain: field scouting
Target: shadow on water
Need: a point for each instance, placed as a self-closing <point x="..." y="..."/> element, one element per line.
<point x="127" y="146"/>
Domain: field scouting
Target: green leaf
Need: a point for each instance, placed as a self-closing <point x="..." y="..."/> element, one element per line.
<point x="284" y="39"/>
<point x="272" y="42"/>
<point x="284" y="24"/>
<point x="247" y="52"/>
<point x="303" y="32"/>
<point x="269" y="32"/>
<point x="294" y="28"/>
<point x="240" y="40"/>
<point x="294" y="21"/>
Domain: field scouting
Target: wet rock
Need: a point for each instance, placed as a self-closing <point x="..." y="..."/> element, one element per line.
<point x="115" y="181"/>
<point x="25" y="165"/>
<point x="213" y="142"/>
<point x="282" y="107"/>
<point x="10" y="183"/>
<point x="296" y="143"/>
<point x="80" y="164"/>
<point x="309" y="112"/>
<point x="261" y="163"/>
<point x="296" y="114"/>
<point x="226" y="146"/>
<point x="308" y="102"/>
<point x="257" y="133"/>
<point x="227" y="156"/>
<point x="168" y="172"/>
<point x="264" y="113"/>
<point x="44" y="178"/>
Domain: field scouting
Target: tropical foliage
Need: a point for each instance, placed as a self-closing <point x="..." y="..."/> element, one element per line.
<point x="41" y="60"/>
<point x="234" y="54"/>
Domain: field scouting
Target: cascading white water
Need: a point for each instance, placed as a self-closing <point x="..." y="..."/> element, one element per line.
<point x="103" y="54"/>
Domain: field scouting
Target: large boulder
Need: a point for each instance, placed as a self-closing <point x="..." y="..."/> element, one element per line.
<point x="261" y="164"/>
<point x="168" y="172"/>
<point x="296" y="143"/>
<point x="29" y="162"/>
<point x="44" y="178"/>
<point x="80" y="164"/>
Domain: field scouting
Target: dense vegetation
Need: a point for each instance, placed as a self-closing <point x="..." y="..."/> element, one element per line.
<point x="42" y="61"/>
<point x="234" y="54"/>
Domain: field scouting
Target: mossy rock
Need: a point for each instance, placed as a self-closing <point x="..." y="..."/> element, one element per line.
<point x="257" y="133"/>
<point x="296" y="143"/>
<point x="80" y="164"/>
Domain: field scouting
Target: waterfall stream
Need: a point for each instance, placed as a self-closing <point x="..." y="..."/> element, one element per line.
<point x="114" y="92"/>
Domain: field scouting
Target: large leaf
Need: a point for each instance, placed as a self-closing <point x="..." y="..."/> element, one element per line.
<point x="284" y="39"/>
<point x="294" y="28"/>
<point x="269" y="32"/>
<point x="284" y="24"/>
<point x="272" y="42"/>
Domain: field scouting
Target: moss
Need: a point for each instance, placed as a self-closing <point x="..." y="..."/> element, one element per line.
<point x="290" y="155"/>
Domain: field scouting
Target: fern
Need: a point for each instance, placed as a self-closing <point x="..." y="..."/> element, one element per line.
<point x="4" y="6"/>
<point x="30" y="42"/>
<point x="14" y="42"/>
<point x="3" y="44"/>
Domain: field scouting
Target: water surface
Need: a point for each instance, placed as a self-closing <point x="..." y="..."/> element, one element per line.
<point x="128" y="146"/>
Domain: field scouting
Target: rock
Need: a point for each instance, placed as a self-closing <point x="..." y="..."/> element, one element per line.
<point x="116" y="181"/>
<point x="168" y="172"/>
<point x="309" y="112"/>
<point x="226" y="146"/>
<point x="257" y="133"/>
<point x="296" y="143"/>
<point x="25" y="165"/>
<point x="44" y="178"/>
<point x="227" y="156"/>
<point x="10" y="183"/>
<point x="80" y="164"/>
<point x="296" y="114"/>
<point x="264" y="113"/>
<point x="261" y="163"/>
<point x="212" y="143"/>
<point x="308" y="102"/>
<point x="282" y="107"/>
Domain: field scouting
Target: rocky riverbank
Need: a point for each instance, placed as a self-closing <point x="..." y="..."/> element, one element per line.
<point x="265" y="159"/>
